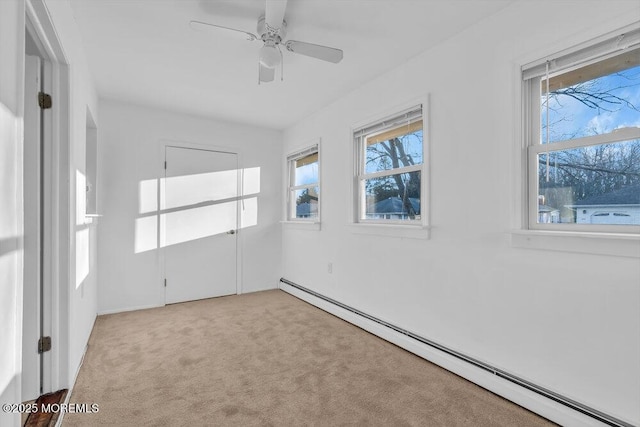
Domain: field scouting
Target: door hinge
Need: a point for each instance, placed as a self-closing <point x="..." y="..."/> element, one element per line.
<point x="44" y="344"/>
<point x="165" y="283"/>
<point x="165" y="165"/>
<point x="44" y="100"/>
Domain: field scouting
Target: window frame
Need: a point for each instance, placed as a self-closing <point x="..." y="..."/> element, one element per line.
<point x="360" y="176"/>
<point x="292" y="188"/>
<point x="564" y="62"/>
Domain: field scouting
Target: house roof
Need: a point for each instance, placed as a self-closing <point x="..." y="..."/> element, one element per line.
<point x="394" y="205"/>
<point x="545" y="208"/>
<point x="629" y="195"/>
<point x="306" y="208"/>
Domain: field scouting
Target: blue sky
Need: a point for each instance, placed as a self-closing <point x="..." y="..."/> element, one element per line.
<point x="307" y="174"/>
<point x="569" y="115"/>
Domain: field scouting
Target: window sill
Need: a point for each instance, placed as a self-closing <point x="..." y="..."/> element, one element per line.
<point x="391" y="230"/>
<point x="301" y="225"/>
<point x="613" y="244"/>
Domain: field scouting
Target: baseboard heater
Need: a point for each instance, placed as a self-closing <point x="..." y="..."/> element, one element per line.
<point x="577" y="406"/>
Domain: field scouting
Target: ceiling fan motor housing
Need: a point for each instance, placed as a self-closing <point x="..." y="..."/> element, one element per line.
<point x="268" y="33"/>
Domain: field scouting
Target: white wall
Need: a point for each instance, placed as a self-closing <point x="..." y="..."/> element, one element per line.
<point x="567" y="321"/>
<point x="11" y="228"/>
<point x="130" y="140"/>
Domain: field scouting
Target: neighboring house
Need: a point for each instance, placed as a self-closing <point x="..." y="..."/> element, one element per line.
<point x="392" y="208"/>
<point x="618" y="207"/>
<point x="547" y="214"/>
<point x="307" y="210"/>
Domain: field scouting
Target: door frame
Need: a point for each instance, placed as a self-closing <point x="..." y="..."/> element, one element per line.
<point x="34" y="214"/>
<point x="57" y="244"/>
<point x="160" y="174"/>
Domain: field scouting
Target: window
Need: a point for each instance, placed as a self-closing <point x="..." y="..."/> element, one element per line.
<point x="390" y="167"/>
<point x="304" y="185"/>
<point x="582" y="121"/>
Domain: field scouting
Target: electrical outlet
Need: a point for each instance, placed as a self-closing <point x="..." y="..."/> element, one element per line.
<point x="330" y="268"/>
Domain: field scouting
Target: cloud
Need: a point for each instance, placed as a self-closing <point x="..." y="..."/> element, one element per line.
<point x="601" y="123"/>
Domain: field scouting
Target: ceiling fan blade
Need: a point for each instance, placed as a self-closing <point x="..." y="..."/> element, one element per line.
<point x="274" y="13"/>
<point x="203" y="26"/>
<point x="266" y="74"/>
<point x="324" y="53"/>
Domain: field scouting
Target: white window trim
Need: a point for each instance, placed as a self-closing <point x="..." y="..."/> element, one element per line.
<point x="575" y="240"/>
<point x="290" y="219"/>
<point x="392" y="228"/>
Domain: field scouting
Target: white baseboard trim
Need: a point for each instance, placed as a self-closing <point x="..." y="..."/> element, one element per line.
<point x="73" y="383"/>
<point x="125" y="309"/>
<point x="261" y="289"/>
<point x="530" y="400"/>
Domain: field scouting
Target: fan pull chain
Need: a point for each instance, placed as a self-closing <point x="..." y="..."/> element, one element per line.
<point x="281" y="64"/>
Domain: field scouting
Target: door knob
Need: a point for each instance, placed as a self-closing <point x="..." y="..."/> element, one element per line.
<point x="231" y="232"/>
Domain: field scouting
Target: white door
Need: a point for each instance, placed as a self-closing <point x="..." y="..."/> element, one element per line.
<point x="199" y="223"/>
<point x="32" y="232"/>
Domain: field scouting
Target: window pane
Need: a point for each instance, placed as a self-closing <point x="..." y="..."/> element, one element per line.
<point x="306" y="170"/>
<point x="395" y="197"/>
<point x="306" y="202"/>
<point x="590" y="185"/>
<point x="592" y="100"/>
<point x="395" y="148"/>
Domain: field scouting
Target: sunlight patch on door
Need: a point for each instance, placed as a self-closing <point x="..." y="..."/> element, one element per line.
<point x="203" y="187"/>
<point x="199" y="206"/>
<point x="196" y="223"/>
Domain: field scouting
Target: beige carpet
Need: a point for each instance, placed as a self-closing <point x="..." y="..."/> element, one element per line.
<point x="268" y="358"/>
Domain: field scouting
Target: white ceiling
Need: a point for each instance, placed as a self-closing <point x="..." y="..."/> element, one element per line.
<point x="144" y="51"/>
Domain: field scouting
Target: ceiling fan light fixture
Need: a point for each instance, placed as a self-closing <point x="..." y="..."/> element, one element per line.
<point x="269" y="56"/>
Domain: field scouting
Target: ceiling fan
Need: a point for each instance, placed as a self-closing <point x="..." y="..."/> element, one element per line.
<point x="272" y="29"/>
